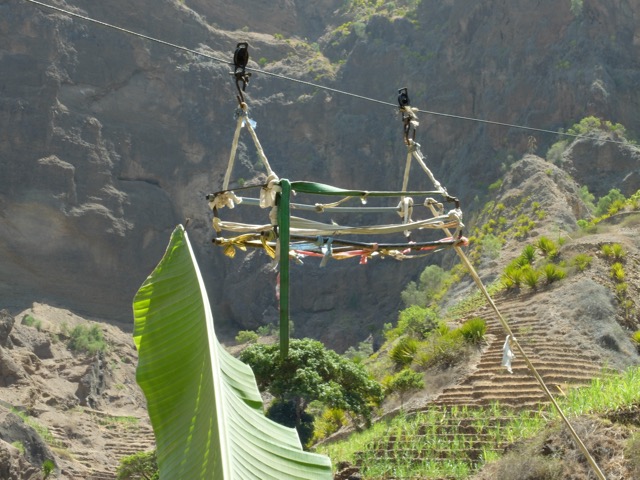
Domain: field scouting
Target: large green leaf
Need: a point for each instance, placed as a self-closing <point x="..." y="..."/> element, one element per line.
<point x="204" y="404"/>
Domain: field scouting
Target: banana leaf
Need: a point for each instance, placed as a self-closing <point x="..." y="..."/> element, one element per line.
<point x="204" y="404"/>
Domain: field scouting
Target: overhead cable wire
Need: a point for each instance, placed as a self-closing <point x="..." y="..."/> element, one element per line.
<point x="307" y="83"/>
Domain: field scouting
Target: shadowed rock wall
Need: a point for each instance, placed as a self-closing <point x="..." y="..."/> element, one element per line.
<point x="107" y="141"/>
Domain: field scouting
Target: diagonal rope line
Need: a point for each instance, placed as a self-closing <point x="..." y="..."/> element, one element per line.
<point x="505" y="325"/>
<point x="307" y="83"/>
<point x="532" y="368"/>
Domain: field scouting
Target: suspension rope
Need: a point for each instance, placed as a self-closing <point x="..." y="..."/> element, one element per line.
<point x="307" y="83"/>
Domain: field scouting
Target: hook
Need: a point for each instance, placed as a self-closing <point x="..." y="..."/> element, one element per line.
<point x="240" y="60"/>
<point x="408" y="117"/>
<point x="403" y="97"/>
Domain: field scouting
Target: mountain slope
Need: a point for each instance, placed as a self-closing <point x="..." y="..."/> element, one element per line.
<point x="108" y="140"/>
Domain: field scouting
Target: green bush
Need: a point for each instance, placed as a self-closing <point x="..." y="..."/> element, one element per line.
<point x="618" y="252"/>
<point x="616" y="206"/>
<point x="331" y="420"/>
<point x="246" y="336"/>
<point x="553" y="273"/>
<point x="474" y="330"/>
<point x="528" y="255"/>
<point x="364" y="350"/>
<point x="87" y="340"/>
<point x="266" y="330"/>
<point x="547" y="247"/>
<point x="443" y="350"/>
<point x="48" y="466"/>
<point x="137" y="466"/>
<point x="554" y="154"/>
<point x="415" y="321"/>
<point x="530" y="277"/>
<point x="495" y="186"/>
<point x="491" y="246"/>
<point x="431" y="283"/>
<point x="512" y="277"/>
<point x="404" y="351"/>
<point x="617" y="272"/>
<point x="31" y="321"/>
<point x="587" y="226"/>
<point x="604" y="203"/>
<point x="636" y="337"/>
<point x="402" y="383"/>
<point x="582" y="261"/>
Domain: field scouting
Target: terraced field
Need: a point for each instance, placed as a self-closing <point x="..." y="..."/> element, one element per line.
<point x="480" y="417"/>
<point x="560" y="364"/>
<point x="120" y="437"/>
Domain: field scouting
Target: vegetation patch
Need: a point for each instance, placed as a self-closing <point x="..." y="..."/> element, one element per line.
<point x="89" y="340"/>
<point x="456" y="442"/>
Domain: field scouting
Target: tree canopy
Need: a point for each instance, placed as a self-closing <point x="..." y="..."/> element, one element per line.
<point x="311" y="372"/>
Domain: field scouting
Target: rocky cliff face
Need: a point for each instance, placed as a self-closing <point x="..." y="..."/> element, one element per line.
<point x="107" y="141"/>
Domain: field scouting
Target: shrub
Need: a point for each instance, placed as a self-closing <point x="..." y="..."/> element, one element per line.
<point x="621" y="290"/>
<point x="403" y="382"/>
<point x="617" y="272"/>
<point x="513" y="275"/>
<point x="266" y="330"/>
<point x="443" y="350"/>
<point x="616" y="206"/>
<point x="474" y="330"/>
<point x="604" y="203"/>
<point x="432" y="283"/>
<point x="415" y="321"/>
<point x="553" y="273"/>
<point x="87" y="340"/>
<point x="331" y="420"/>
<point x="138" y="465"/>
<point x="618" y="252"/>
<point x="582" y="261"/>
<point x="530" y="277"/>
<point x="516" y="466"/>
<point x="547" y="247"/>
<point x="47" y="468"/>
<point x="636" y="336"/>
<point x="404" y="351"/>
<point x="495" y="186"/>
<point x="31" y="321"/>
<point x="528" y="255"/>
<point x="491" y="246"/>
<point x="554" y="154"/>
<point x="246" y="336"/>
<point x="364" y="350"/>
<point x="587" y="226"/>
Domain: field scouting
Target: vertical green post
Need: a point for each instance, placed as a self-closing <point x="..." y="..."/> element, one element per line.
<point x="283" y="233"/>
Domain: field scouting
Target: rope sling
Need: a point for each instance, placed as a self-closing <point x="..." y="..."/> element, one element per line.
<point x="287" y="237"/>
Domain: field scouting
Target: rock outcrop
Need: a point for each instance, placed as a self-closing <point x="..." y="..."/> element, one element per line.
<point x="107" y="140"/>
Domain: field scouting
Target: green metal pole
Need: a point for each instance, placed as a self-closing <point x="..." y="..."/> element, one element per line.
<point x="284" y="233"/>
